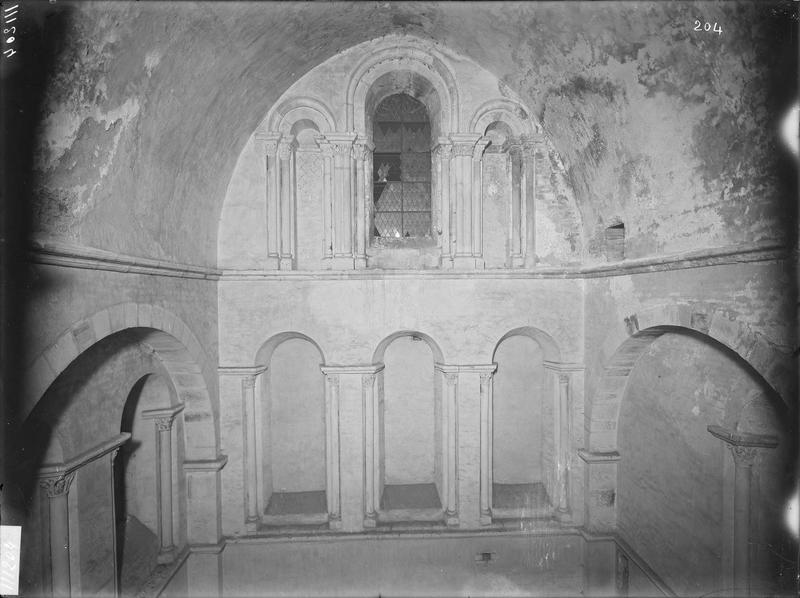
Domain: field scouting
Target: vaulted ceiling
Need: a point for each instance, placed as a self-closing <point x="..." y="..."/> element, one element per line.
<point x="145" y="108"/>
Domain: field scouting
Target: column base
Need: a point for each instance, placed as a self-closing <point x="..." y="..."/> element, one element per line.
<point x="251" y="525"/>
<point x="272" y="262"/>
<point x="468" y="262"/>
<point x="360" y="262"/>
<point x="486" y="519"/>
<point x="339" y="262"/>
<point x="452" y="520"/>
<point x="564" y="516"/>
<point x="371" y="521"/>
<point x="335" y="523"/>
<point x="517" y="261"/>
<point x="286" y="263"/>
<point x="166" y="555"/>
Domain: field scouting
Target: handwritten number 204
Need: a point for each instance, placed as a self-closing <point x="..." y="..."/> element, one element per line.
<point x="699" y="26"/>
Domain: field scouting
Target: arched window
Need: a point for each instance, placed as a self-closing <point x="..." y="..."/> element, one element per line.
<point x="401" y="168"/>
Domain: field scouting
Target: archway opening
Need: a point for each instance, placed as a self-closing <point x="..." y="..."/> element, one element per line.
<point x="293" y="441"/>
<point x="680" y="383"/>
<point x="411" y="421"/>
<point x="136" y="489"/>
<point x="522" y="431"/>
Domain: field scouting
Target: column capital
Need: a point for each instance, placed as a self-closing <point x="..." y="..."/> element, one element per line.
<point x="163" y="417"/>
<point x="245" y="370"/>
<point x="339" y="143"/>
<point x="372" y="368"/>
<point x="563" y="367"/>
<point x="248" y="383"/>
<point x="367" y="380"/>
<point x="743" y="456"/>
<point x="362" y="148"/>
<point x="57" y="485"/>
<point x="285" y="146"/>
<point x="443" y="149"/>
<point x="467" y="368"/>
<point x="268" y="141"/>
<point x="743" y="445"/>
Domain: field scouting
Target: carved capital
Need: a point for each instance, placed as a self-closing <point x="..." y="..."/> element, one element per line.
<point x="268" y="142"/>
<point x="248" y="383"/>
<point x="444" y="151"/>
<point x="486" y="378"/>
<point x="164" y="424"/>
<point x="563" y="378"/>
<point x="57" y="486"/>
<point x="361" y="150"/>
<point x="325" y="149"/>
<point x="333" y="380"/>
<point x="743" y="456"/>
<point x="367" y="380"/>
<point x="285" y="148"/>
<point x="463" y="148"/>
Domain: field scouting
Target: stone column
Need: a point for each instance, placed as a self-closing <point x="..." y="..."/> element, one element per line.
<point x="362" y="151"/>
<point x="450" y="409"/>
<point x="442" y="154"/>
<point x="332" y="450"/>
<point x="286" y="210"/>
<point x="562" y="434"/>
<point x="517" y="229"/>
<point x="57" y="489"/>
<point x="486" y="444"/>
<point x="56" y="480"/>
<point x="563" y="446"/>
<point x="268" y="144"/>
<point x="253" y="517"/>
<point x="372" y="446"/>
<point x="477" y="201"/>
<point x="461" y="192"/>
<point x="744" y="449"/>
<point x="528" y="168"/>
<point x="343" y="201"/>
<point x="163" y="421"/>
<point x="327" y="198"/>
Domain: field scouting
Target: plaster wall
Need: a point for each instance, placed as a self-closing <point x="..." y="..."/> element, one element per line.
<point x="296" y="448"/>
<point x="409" y="412"/>
<point x="242" y="236"/>
<point x="758" y="295"/>
<point x="496" y="209"/>
<point x="675" y="480"/>
<point x="518" y="415"/>
<point x="94" y="542"/>
<point x="138" y="455"/>
<point x="670" y="477"/>
<point x="192" y="301"/>
<point x="348" y="318"/>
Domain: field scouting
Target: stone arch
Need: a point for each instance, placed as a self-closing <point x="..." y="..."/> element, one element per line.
<point x="549" y="347"/>
<point x="404" y="56"/>
<point x="283" y="116"/>
<point x="718" y="325"/>
<point x="504" y="110"/>
<point x="264" y="353"/>
<point x="380" y="351"/>
<point x="170" y="339"/>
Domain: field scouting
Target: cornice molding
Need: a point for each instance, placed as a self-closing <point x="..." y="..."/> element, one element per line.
<point x="48" y="470"/>
<point x="66" y="255"/>
<point x="680" y="261"/>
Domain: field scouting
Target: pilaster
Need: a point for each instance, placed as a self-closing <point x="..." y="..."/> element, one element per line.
<point x="163" y="419"/>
